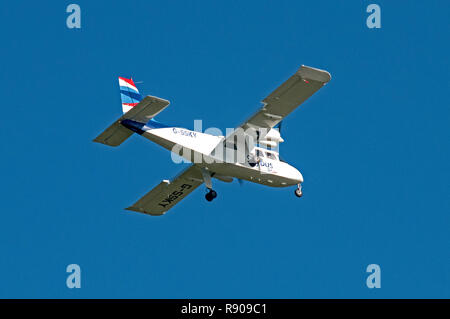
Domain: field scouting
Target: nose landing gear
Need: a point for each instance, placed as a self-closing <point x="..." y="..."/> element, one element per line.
<point x="298" y="192"/>
<point x="210" y="195"/>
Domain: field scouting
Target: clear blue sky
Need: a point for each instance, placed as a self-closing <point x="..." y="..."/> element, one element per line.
<point x="373" y="146"/>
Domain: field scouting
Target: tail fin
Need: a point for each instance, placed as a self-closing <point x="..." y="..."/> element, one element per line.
<point x="129" y="94"/>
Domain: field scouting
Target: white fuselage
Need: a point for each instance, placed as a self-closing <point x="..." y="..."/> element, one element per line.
<point x="198" y="147"/>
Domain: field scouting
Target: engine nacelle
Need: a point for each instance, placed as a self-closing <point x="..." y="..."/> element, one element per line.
<point x="272" y="138"/>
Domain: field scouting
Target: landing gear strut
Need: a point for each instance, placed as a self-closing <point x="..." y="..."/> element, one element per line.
<point x="207" y="179"/>
<point x="211" y="195"/>
<point x="298" y="192"/>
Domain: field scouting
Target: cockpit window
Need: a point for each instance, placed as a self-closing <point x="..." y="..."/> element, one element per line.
<point x="272" y="156"/>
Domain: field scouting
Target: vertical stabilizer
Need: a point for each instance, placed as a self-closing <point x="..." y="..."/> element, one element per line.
<point x="129" y="94"/>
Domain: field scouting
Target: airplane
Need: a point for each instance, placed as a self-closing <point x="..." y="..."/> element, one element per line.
<point x="248" y="153"/>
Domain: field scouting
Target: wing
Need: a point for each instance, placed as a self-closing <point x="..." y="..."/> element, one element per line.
<point x="168" y="193"/>
<point x="287" y="97"/>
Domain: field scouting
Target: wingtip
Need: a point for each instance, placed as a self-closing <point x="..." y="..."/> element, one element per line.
<point x="314" y="74"/>
<point x="142" y="211"/>
<point x="155" y="98"/>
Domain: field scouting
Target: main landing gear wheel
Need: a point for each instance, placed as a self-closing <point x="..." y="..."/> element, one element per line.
<point x="298" y="192"/>
<point x="211" y="195"/>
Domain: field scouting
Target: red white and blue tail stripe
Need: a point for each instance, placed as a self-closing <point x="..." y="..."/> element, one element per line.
<point x="129" y="94"/>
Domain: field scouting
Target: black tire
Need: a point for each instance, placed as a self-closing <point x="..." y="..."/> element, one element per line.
<point x="298" y="192"/>
<point x="208" y="197"/>
<point x="213" y="193"/>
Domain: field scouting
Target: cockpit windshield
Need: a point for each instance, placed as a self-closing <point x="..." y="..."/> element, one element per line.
<point x="272" y="156"/>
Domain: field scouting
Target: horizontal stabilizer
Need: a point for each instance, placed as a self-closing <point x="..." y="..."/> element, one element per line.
<point x="148" y="108"/>
<point x="114" y="135"/>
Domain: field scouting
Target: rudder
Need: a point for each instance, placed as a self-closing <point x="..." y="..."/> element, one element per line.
<point x="129" y="94"/>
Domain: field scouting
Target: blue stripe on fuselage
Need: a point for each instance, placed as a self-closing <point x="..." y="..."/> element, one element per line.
<point x="141" y="128"/>
<point x="134" y="126"/>
<point x="155" y="124"/>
